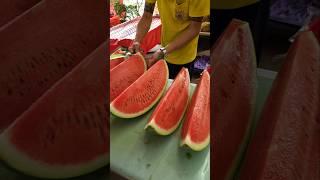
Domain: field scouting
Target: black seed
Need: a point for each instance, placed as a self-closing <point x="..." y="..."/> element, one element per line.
<point x="9" y="91"/>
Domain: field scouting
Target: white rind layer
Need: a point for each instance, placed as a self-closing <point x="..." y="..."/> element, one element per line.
<point x="20" y="161"/>
<point x="193" y="145"/>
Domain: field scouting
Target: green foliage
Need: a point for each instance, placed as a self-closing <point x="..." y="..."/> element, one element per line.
<point x="127" y="12"/>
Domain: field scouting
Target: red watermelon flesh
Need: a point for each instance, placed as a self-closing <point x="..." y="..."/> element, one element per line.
<point x="286" y="143"/>
<point x="115" y="62"/>
<point x="171" y="108"/>
<point x="234" y="91"/>
<point x="143" y="94"/>
<point x="39" y="48"/>
<point x="65" y="132"/>
<point x="196" y="127"/>
<point x="123" y="75"/>
<point x="10" y="9"/>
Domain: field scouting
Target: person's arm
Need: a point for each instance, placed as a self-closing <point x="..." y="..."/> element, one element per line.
<point x="186" y="36"/>
<point x="143" y="26"/>
<point x="145" y="22"/>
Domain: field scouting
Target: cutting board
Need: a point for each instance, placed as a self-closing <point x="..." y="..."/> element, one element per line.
<point x="143" y="155"/>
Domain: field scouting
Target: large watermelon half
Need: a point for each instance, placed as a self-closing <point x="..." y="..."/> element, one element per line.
<point x="143" y="94"/>
<point x="196" y="127"/>
<point x="170" y="110"/>
<point x="286" y="143"/>
<point x="39" y="48"/>
<point x="123" y="75"/>
<point x="234" y="92"/>
<point x="65" y="132"/>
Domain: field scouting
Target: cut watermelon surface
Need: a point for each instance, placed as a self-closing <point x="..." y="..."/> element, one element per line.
<point x="39" y="48"/>
<point x="286" y="143"/>
<point x="196" y="127"/>
<point x="116" y="58"/>
<point x="10" y="9"/>
<point x="123" y="75"/>
<point x="115" y="62"/>
<point x="234" y="92"/>
<point x="65" y="132"/>
<point x="170" y="110"/>
<point x="143" y="94"/>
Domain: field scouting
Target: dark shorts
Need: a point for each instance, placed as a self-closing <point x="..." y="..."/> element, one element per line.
<point x="174" y="69"/>
<point x="256" y="15"/>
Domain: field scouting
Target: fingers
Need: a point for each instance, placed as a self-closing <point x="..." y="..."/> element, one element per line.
<point x="134" y="48"/>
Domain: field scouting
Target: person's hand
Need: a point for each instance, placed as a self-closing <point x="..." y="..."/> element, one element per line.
<point x="155" y="57"/>
<point x="134" y="47"/>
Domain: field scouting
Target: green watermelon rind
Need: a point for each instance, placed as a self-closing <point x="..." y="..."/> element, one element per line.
<point x="165" y="132"/>
<point x="186" y="142"/>
<point x="195" y="146"/>
<point x="20" y="161"/>
<point x="119" y="114"/>
<point x="116" y="55"/>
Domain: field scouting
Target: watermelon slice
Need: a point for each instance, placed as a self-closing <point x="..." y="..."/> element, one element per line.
<point x="143" y="94"/>
<point x="65" y="132"/>
<point x="169" y="112"/>
<point x="286" y="143"/>
<point x="39" y="48"/>
<point x="196" y="128"/>
<point x="116" y="58"/>
<point x="123" y="75"/>
<point x="234" y="92"/>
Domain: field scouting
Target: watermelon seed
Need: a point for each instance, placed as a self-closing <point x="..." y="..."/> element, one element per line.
<point x="312" y="69"/>
<point x="21" y="93"/>
<point x="232" y="81"/>
<point x="83" y="42"/>
<point x="21" y="80"/>
<point x="65" y="65"/>
<point x="9" y="91"/>
<point x="224" y="94"/>
<point x="86" y="121"/>
<point x="59" y="65"/>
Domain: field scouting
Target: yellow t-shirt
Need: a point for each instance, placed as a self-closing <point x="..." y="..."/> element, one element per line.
<point x="175" y="19"/>
<point x="231" y="4"/>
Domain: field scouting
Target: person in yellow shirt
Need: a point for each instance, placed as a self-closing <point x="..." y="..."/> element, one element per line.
<point x="255" y="12"/>
<point x="181" y="23"/>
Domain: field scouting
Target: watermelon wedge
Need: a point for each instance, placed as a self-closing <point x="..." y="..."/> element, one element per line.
<point x="286" y="143"/>
<point x="123" y="75"/>
<point x="234" y="93"/>
<point x="39" y="48"/>
<point x="143" y="94"/>
<point x="168" y="114"/>
<point x="196" y="128"/>
<point x="65" y="132"/>
<point x="116" y="58"/>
